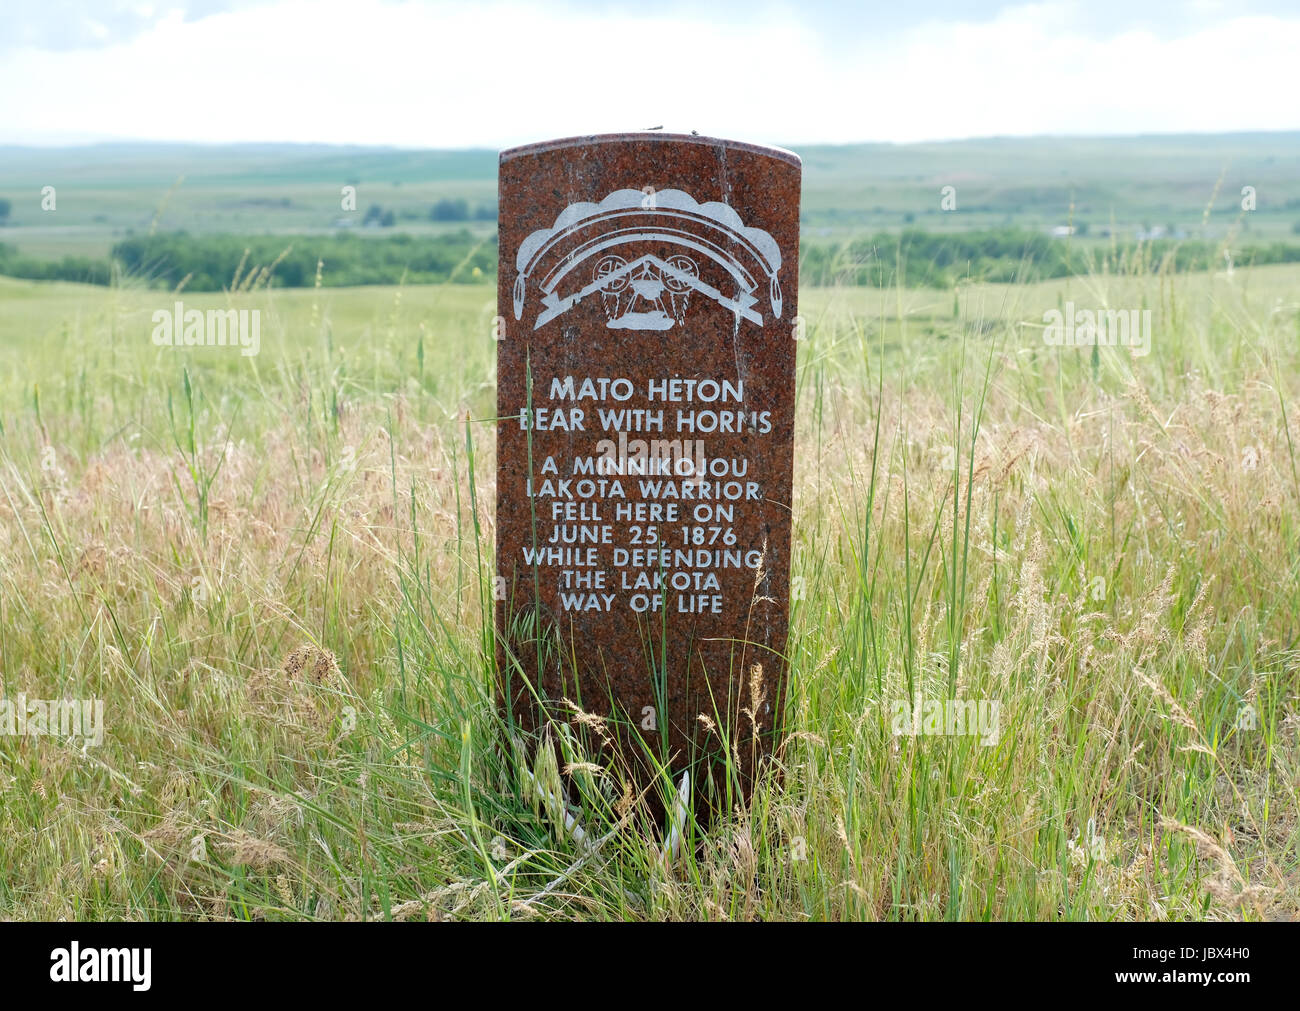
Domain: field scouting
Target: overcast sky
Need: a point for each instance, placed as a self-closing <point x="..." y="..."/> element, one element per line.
<point x="431" y="74"/>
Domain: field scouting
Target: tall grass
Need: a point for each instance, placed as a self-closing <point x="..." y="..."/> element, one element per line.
<point x="280" y="586"/>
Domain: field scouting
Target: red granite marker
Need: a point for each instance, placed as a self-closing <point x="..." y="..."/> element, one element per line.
<point x="645" y="390"/>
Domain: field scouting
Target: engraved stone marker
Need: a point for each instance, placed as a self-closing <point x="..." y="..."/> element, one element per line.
<point x="645" y="393"/>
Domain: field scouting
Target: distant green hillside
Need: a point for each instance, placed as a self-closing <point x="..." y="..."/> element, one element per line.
<point x="1183" y="186"/>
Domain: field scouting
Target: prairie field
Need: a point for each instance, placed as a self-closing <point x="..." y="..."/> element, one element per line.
<point x="274" y="571"/>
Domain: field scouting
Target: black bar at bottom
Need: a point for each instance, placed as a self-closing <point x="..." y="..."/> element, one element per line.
<point x="234" y="961"/>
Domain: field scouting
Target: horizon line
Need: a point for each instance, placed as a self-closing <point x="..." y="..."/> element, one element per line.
<point x="106" y="142"/>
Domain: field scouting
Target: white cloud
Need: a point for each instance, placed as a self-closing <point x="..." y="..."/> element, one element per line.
<point x="446" y="75"/>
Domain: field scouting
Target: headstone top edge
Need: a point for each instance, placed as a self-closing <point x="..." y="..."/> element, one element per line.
<point x="589" y="140"/>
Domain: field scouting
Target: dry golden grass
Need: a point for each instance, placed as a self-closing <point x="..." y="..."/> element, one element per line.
<point x="298" y="709"/>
